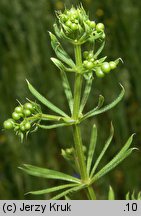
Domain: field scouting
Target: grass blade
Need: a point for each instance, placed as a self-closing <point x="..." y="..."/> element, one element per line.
<point x="67" y="90"/>
<point x="103" y="151"/>
<point x="44" y="101"/>
<point x="85" y="95"/>
<point x="47" y="173"/>
<point x="91" y="148"/>
<point x="50" y="190"/>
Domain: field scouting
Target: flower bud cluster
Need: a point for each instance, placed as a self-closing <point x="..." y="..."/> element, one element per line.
<point x="76" y="26"/>
<point x="100" y="67"/>
<point x="21" y="118"/>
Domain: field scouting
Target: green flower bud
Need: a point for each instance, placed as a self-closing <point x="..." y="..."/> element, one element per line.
<point x="99" y="73"/>
<point x="100" y="27"/>
<point x="18" y="109"/>
<point x="28" y="106"/>
<point x="27" y="125"/>
<point x="26" y="112"/>
<point x="16" y="116"/>
<point x="105" y="67"/>
<point x="113" y="65"/>
<point x="8" y="124"/>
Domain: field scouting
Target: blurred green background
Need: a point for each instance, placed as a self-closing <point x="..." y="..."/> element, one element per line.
<point x="25" y="52"/>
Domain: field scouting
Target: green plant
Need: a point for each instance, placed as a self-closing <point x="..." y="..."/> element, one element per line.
<point x="75" y="27"/>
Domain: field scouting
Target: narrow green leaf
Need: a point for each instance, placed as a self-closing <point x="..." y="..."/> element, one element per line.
<point x="139" y="196"/>
<point x="103" y="151"/>
<point x="50" y="190"/>
<point x="53" y="126"/>
<point x="67" y="198"/>
<point x="72" y="190"/>
<point x="133" y="196"/>
<point x="99" y="50"/>
<point x="90" y="113"/>
<point x="59" y="64"/>
<point x="95" y="112"/>
<point x="111" y="194"/>
<point x="111" y="165"/>
<point x="102" y="59"/>
<point x="44" y="101"/>
<point x="85" y="95"/>
<point x="47" y="173"/>
<point x="127" y="145"/>
<point x="60" y="52"/>
<point x="123" y="153"/>
<point x="67" y="90"/>
<point x="91" y="148"/>
<point x="127" y="196"/>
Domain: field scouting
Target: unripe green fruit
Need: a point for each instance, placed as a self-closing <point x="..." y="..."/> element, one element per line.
<point x="92" y="24"/>
<point x="27" y="125"/>
<point x="26" y="112"/>
<point x="28" y="106"/>
<point x="22" y="127"/>
<point x="90" y="55"/>
<point x="8" y="124"/>
<point x="99" y="73"/>
<point x="100" y="27"/>
<point x="74" y="26"/>
<point x="113" y="65"/>
<point x="88" y="64"/>
<point x="64" y="17"/>
<point x="18" y="109"/>
<point x="69" y="23"/>
<point x="85" y="54"/>
<point x="16" y="116"/>
<point x="105" y="67"/>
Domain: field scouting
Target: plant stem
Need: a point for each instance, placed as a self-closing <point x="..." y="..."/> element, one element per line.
<point x="79" y="152"/>
<point x="76" y="128"/>
<point x="78" y="83"/>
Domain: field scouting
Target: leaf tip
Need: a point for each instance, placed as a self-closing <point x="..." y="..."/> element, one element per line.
<point x="123" y="89"/>
<point x="27" y="81"/>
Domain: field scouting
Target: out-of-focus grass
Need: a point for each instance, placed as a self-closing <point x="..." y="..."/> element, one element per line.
<point x="25" y="52"/>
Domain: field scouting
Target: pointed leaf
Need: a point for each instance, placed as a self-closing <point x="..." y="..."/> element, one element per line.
<point x="99" y="50"/>
<point x="111" y="194"/>
<point x="59" y="64"/>
<point x="47" y="173"/>
<point x="127" y="196"/>
<point x="53" y="126"/>
<point x="123" y="153"/>
<point x="72" y="190"/>
<point x="60" y="52"/>
<point x="85" y="95"/>
<point x="90" y="113"/>
<point x="108" y="107"/>
<point x="111" y="165"/>
<point x="44" y="101"/>
<point x="133" y="196"/>
<point x="103" y="151"/>
<point x="91" y="148"/>
<point x="67" y="90"/>
<point x="67" y="198"/>
<point x="50" y="190"/>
